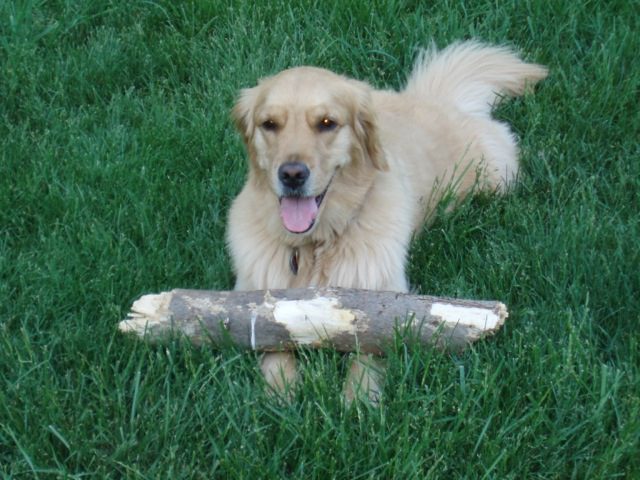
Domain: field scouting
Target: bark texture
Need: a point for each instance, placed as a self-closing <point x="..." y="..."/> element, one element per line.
<point x="344" y="319"/>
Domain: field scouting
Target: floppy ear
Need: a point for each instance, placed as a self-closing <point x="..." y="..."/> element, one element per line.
<point x="366" y="128"/>
<point x="242" y="112"/>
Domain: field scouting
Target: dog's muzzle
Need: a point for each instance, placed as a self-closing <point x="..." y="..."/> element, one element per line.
<point x="298" y="210"/>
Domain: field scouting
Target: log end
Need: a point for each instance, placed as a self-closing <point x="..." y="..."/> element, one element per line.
<point x="149" y="315"/>
<point x="464" y="324"/>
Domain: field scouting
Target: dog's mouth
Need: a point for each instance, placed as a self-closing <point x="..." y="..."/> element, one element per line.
<point x="299" y="214"/>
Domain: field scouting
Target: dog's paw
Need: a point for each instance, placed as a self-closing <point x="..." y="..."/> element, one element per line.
<point x="364" y="380"/>
<point x="280" y="374"/>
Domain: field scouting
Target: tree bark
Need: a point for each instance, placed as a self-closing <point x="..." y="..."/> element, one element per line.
<point x="344" y="319"/>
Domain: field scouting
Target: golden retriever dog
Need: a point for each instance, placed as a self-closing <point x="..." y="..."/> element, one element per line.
<point x="342" y="175"/>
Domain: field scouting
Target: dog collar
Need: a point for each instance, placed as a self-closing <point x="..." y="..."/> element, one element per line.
<point x="293" y="260"/>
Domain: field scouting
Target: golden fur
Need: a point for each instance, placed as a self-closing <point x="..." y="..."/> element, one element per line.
<point x="384" y="159"/>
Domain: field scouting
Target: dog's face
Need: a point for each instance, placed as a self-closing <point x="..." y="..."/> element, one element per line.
<point x="302" y="127"/>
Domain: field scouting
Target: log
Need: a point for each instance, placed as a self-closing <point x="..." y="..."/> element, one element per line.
<point x="344" y="319"/>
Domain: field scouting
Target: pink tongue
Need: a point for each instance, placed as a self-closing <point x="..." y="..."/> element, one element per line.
<point x="297" y="213"/>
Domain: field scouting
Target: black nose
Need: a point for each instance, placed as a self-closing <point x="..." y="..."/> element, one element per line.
<point x="293" y="174"/>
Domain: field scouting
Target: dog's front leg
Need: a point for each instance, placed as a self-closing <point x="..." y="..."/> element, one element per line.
<point x="376" y="264"/>
<point x="279" y="369"/>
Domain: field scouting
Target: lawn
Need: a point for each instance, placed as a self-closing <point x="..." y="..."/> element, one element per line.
<point x="118" y="162"/>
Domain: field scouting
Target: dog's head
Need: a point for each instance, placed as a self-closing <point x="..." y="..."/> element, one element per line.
<point x="302" y="127"/>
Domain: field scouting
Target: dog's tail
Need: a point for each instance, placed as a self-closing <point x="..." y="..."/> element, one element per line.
<point x="471" y="76"/>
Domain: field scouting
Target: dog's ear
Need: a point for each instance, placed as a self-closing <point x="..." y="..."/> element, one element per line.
<point x="366" y="128"/>
<point x="242" y="112"/>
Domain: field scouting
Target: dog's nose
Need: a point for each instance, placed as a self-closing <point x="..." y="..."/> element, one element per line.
<point x="293" y="174"/>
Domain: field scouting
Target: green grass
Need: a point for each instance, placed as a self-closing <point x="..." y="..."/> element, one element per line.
<point x="118" y="162"/>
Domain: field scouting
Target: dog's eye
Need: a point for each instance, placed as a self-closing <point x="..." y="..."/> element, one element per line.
<point x="269" y="125"/>
<point x="326" y="125"/>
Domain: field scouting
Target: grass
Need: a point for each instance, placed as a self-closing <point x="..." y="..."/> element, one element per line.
<point x="118" y="162"/>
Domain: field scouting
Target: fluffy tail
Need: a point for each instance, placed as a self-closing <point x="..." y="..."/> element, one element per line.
<point x="472" y="76"/>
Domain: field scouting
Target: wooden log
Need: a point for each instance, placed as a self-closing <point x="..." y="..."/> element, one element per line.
<point x="344" y="319"/>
